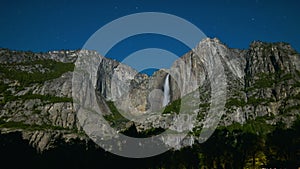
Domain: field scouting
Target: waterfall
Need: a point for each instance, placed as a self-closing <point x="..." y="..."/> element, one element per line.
<point x="166" y="91"/>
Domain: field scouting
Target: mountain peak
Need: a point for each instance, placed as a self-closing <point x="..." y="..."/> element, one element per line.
<point x="210" y="40"/>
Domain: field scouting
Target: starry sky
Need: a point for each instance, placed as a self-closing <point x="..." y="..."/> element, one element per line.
<point x="44" y="25"/>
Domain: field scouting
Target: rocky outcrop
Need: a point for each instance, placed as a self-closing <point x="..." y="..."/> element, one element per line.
<point x="270" y="79"/>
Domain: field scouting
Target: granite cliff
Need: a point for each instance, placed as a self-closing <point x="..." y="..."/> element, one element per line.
<point x="262" y="82"/>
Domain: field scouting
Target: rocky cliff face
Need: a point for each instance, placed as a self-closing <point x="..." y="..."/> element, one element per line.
<point x="36" y="90"/>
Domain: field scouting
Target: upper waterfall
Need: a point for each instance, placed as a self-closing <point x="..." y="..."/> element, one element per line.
<point x="166" y="91"/>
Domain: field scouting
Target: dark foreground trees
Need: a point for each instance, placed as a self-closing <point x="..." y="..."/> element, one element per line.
<point x="226" y="148"/>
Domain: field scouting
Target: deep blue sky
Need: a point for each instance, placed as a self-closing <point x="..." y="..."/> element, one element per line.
<point x="61" y="24"/>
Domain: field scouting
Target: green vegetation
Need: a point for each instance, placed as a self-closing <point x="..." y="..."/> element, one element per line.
<point x="251" y="145"/>
<point x="196" y="131"/>
<point x="35" y="111"/>
<point x="256" y="126"/>
<point x="264" y="81"/>
<point x="296" y="84"/>
<point x="235" y="102"/>
<point x="256" y="101"/>
<point x="56" y="69"/>
<point x="116" y="118"/>
<point x="28" y="127"/>
<point x="173" y="107"/>
<point x="284" y="109"/>
<point x="204" y="105"/>
<point x="295" y="107"/>
<point x="297" y="73"/>
<point x="251" y="101"/>
<point x="284" y="77"/>
<point x="3" y="87"/>
<point x="268" y="80"/>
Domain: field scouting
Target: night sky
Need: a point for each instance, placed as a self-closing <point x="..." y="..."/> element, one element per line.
<point x="54" y="25"/>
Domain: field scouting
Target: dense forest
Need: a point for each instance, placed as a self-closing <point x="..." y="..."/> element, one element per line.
<point x="230" y="147"/>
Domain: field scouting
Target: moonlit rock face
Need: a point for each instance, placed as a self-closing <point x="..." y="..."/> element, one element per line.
<point x="245" y="71"/>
